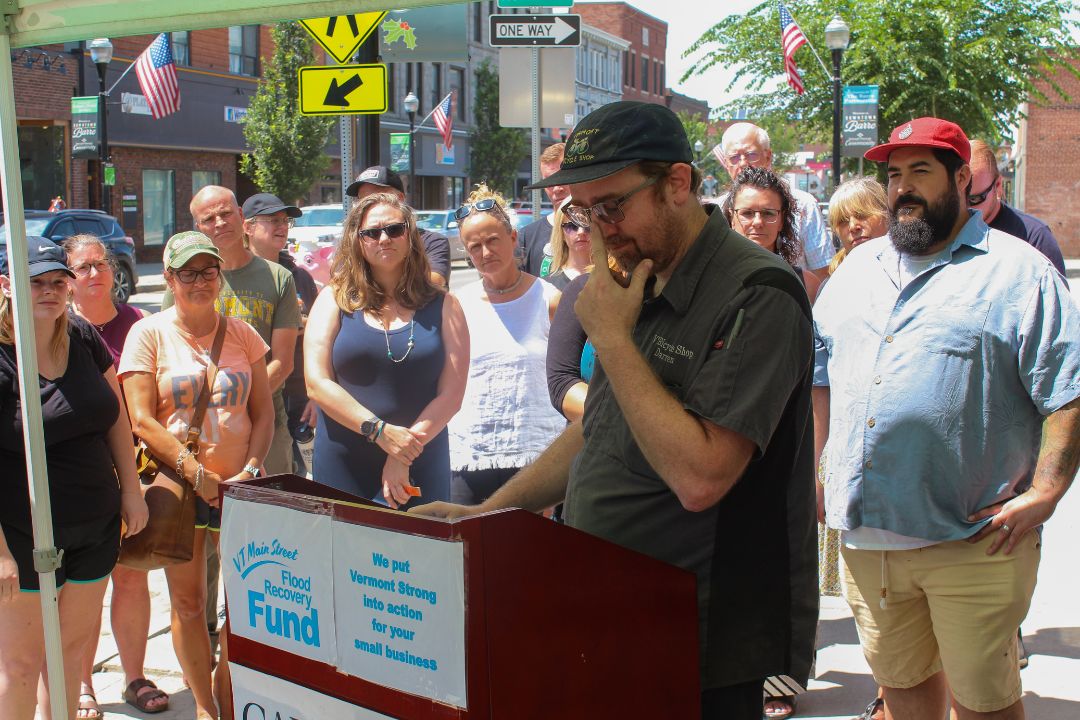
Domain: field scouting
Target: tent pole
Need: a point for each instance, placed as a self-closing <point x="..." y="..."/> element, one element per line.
<point x="45" y="555"/>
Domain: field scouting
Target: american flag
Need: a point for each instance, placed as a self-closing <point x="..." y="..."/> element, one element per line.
<point x="157" y="77"/>
<point x="444" y="119"/>
<point x="792" y="39"/>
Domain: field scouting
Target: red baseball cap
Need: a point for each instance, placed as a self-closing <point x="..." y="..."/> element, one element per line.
<point x="924" y="132"/>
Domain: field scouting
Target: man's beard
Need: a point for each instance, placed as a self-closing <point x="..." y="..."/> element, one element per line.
<point x="916" y="236"/>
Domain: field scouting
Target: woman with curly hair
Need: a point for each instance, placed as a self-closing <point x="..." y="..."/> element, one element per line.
<point x="386" y="354"/>
<point x="760" y="206"/>
<point x="506" y="419"/>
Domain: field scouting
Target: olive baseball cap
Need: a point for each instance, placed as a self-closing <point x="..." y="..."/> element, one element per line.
<point x="186" y="245"/>
<point x="617" y="135"/>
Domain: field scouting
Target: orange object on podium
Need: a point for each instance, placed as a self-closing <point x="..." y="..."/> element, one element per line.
<point x="340" y="607"/>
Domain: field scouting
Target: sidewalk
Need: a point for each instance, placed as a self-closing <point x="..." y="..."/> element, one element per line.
<point x="843" y="684"/>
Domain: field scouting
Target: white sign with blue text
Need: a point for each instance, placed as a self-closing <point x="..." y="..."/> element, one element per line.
<point x="399" y="601"/>
<point x="277" y="573"/>
<point x="257" y="696"/>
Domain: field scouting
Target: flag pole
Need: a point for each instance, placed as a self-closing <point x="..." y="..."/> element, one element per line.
<point x="810" y="45"/>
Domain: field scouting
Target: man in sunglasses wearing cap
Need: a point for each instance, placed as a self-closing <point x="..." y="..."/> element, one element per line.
<point x="696" y="445"/>
<point x="946" y="352"/>
<point x="381" y="179"/>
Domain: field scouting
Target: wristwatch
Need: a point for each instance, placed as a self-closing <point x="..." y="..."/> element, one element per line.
<point x="252" y="470"/>
<point x="368" y="427"/>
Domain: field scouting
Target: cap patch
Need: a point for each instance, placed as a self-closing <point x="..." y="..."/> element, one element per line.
<point x="906" y="132"/>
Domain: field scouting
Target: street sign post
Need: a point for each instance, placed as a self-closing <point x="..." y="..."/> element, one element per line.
<point x="341" y="35"/>
<point x="535" y="30"/>
<point x="343" y="89"/>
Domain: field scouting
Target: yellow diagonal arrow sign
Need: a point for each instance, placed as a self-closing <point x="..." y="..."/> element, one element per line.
<point x="341" y="35"/>
<point x="343" y="89"/>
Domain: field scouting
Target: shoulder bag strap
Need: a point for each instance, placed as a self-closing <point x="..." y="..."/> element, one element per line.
<point x="195" y="429"/>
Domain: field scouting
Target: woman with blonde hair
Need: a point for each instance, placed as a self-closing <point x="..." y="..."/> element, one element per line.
<point x="506" y="419"/>
<point x="570" y="250"/>
<point x="385" y="359"/>
<point x="93" y="483"/>
<point x="858" y="211"/>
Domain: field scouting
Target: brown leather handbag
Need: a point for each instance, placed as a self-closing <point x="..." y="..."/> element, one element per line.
<point x="169" y="535"/>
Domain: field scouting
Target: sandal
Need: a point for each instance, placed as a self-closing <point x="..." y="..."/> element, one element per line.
<point x="88" y="708"/>
<point x="786" y="700"/>
<point x="142" y="694"/>
<point x="874" y="711"/>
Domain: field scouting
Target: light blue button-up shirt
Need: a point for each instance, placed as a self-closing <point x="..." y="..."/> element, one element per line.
<point x="939" y="387"/>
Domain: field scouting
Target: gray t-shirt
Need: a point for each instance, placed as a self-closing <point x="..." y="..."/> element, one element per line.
<point x="754" y="552"/>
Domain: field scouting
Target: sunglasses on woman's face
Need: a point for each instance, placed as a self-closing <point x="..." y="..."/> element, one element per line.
<point x="393" y="231"/>
<point x="572" y="228"/>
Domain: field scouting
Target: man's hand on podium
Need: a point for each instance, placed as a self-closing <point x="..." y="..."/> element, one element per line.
<point x="446" y="511"/>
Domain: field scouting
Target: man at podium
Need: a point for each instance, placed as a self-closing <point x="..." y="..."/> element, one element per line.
<point x="696" y="445"/>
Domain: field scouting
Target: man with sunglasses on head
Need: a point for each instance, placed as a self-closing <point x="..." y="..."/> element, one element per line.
<point x="696" y="444"/>
<point x="381" y="179"/>
<point x="986" y="197"/>
<point x="746" y="145"/>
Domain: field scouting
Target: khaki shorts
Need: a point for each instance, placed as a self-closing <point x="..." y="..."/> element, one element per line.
<point x="948" y="606"/>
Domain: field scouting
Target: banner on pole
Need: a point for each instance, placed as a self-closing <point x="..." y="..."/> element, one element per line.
<point x="859" y="126"/>
<point x="399" y="152"/>
<point x="85" y="135"/>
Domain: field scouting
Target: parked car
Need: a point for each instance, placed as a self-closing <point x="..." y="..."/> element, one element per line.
<point x="58" y="226"/>
<point x="319" y="225"/>
<point x="444" y="222"/>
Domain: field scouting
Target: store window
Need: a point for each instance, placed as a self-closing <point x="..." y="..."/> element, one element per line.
<point x="159" y="206"/>
<point x="244" y="49"/>
<point x="202" y="178"/>
<point x="181" y="47"/>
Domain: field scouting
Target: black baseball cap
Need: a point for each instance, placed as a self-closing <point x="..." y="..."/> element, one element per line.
<point x="43" y="256"/>
<point x="617" y="135"/>
<point x="267" y="204"/>
<point x="376" y="175"/>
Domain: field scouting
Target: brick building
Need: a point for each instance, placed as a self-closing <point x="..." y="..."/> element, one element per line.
<point x="644" y="62"/>
<point x="1046" y="162"/>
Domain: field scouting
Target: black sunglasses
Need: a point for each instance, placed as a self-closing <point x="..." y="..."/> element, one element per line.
<point x="571" y="228"/>
<point x="979" y="198"/>
<point x="479" y="206"/>
<point x="393" y="231"/>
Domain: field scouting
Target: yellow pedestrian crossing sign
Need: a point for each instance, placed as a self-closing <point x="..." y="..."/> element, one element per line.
<point x="341" y="35"/>
<point x="343" y="89"/>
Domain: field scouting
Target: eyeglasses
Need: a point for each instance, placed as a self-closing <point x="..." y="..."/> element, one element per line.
<point x="980" y="198"/>
<point x="84" y="269"/>
<point x="275" y="222"/>
<point x="572" y="228"/>
<point x="188" y="277"/>
<point x="479" y="206"/>
<point x="393" y="231"/>
<point x="769" y="217"/>
<point x="750" y="157"/>
<point x="610" y="211"/>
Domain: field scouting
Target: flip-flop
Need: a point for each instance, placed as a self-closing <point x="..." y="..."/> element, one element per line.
<point x="142" y="700"/>
<point x="90" y="707"/>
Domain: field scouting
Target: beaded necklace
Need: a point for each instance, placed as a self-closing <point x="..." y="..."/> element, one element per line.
<point x="389" y="354"/>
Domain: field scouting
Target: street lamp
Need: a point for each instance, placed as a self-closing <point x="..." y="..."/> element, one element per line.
<point x="699" y="147"/>
<point x="837" y="36"/>
<point x="412" y="104"/>
<point x="101" y="52"/>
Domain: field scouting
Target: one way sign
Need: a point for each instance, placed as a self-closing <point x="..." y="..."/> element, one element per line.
<point x="535" y="30"/>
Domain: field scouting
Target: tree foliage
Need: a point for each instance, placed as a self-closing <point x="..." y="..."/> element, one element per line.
<point x="970" y="61"/>
<point x="496" y="152"/>
<point x="289" y="148"/>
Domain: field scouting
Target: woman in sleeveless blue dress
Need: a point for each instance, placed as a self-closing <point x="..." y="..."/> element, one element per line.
<point x="386" y="359"/>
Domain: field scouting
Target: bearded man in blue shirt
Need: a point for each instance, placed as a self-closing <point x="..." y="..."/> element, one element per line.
<point x="947" y="377"/>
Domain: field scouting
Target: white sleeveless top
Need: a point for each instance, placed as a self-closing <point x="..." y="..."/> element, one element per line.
<point x="506" y="418"/>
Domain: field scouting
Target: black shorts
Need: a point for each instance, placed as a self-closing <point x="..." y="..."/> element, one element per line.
<point x="206" y="516"/>
<point x="90" y="552"/>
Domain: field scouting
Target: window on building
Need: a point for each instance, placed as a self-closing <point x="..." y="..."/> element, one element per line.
<point x="644" y="74"/>
<point x="633" y="69"/>
<point x="625" y="68"/>
<point x="244" y="49"/>
<point x="645" y="36"/>
<point x="436" y="83"/>
<point x="457" y="84"/>
<point x="181" y="47"/>
<point x="582" y="61"/>
<point x="663" y="80"/>
<point x="657" y="87"/>
<point x="478" y="23"/>
<point x="159" y="206"/>
<point x="391" y="88"/>
<point x="202" y="178"/>
<point x="419" y="67"/>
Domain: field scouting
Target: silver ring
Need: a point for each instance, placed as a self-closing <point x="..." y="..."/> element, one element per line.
<point x="1005" y="528"/>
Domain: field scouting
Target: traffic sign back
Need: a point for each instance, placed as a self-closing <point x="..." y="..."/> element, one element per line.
<point x="341" y="35"/>
<point x="343" y="89"/>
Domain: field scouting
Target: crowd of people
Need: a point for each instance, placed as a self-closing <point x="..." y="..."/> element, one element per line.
<point x="880" y="404"/>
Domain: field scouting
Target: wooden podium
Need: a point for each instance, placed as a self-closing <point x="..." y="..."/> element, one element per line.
<point x="506" y="615"/>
